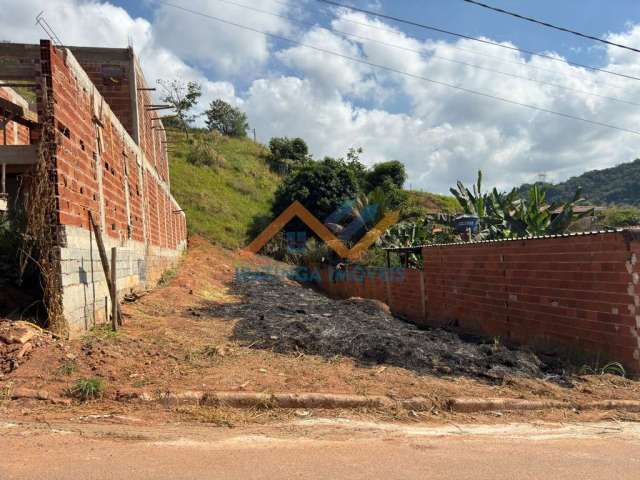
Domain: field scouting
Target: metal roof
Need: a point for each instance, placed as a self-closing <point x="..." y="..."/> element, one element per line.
<point x="633" y="232"/>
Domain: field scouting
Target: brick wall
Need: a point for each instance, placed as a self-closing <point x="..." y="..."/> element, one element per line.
<point x="102" y="170"/>
<point x="110" y="70"/>
<point x="577" y="295"/>
<point x="16" y="134"/>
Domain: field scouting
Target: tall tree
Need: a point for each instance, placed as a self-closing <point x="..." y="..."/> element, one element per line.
<point x="226" y="119"/>
<point x="392" y="170"/>
<point x="182" y="96"/>
<point x="320" y="186"/>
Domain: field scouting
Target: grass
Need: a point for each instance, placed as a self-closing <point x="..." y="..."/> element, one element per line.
<point x="167" y="276"/>
<point x="67" y="368"/>
<point x="102" y="332"/>
<point x="86" y="389"/>
<point x="222" y="199"/>
<point x="611" y="368"/>
<point x="434" y="202"/>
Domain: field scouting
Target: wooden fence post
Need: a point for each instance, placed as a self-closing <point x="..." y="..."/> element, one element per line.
<point x="114" y="290"/>
<point x="108" y="274"/>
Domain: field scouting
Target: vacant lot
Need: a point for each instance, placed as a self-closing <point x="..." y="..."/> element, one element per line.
<point x="203" y="331"/>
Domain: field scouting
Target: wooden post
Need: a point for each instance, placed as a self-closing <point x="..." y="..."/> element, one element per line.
<point x="114" y="290"/>
<point x="108" y="275"/>
<point x="101" y="251"/>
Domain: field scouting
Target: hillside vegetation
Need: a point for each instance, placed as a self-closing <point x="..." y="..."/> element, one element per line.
<point x="616" y="185"/>
<point x="227" y="187"/>
<point x="222" y="183"/>
<point x="434" y="202"/>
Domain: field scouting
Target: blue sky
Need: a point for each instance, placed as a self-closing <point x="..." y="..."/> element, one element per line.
<point x="594" y="17"/>
<point x="440" y="133"/>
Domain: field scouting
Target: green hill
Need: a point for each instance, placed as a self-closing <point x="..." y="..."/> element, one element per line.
<point x="617" y="185"/>
<point x="226" y="187"/>
<point x="222" y="183"/>
<point x="433" y="202"/>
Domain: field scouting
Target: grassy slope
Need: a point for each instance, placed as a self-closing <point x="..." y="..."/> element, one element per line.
<point x="222" y="201"/>
<point x="434" y="203"/>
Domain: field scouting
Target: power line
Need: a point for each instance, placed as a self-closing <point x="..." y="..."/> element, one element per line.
<point x="468" y="37"/>
<point x="550" y="25"/>
<point x="422" y="54"/>
<point x="455" y="47"/>
<point x="400" y="72"/>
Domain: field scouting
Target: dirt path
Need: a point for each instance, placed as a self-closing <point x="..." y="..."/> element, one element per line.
<point x="179" y="337"/>
<point x="320" y="449"/>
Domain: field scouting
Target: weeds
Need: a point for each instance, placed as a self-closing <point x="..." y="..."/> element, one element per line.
<point x="167" y="276"/>
<point x="203" y="153"/>
<point x="611" y="368"/>
<point x="86" y="389"/>
<point x="67" y="368"/>
<point x="99" y="333"/>
<point x="5" y="394"/>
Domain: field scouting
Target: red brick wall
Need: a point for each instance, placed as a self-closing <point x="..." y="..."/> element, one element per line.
<point x="399" y="288"/>
<point x="112" y="78"/>
<point x="577" y="295"/>
<point x="16" y="134"/>
<point x="151" y="137"/>
<point x="120" y="161"/>
<point x="406" y="294"/>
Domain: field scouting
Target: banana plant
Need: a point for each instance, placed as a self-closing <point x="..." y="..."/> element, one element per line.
<point x="505" y="215"/>
<point x="472" y="202"/>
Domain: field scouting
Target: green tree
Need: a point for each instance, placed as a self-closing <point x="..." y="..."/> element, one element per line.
<point x="226" y="119"/>
<point x="392" y="170"/>
<point x="320" y="186"/>
<point x="183" y="97"/>
<point x="285" y="153"/>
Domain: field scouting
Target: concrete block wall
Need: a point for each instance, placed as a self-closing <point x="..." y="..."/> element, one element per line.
<point x="576" y="295"/>
<point x="86" y="299"/>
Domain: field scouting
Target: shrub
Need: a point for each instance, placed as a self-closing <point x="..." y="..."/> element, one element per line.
<point x="86" y="389"/>
<point x="203" y="153"/>
<point x="167" y="276"/>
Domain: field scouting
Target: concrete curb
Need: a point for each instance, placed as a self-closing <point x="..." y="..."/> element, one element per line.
<point x="275" y="400"/>
<point x="334" y="401"/>
<point x="473" y="405"/>
<point x="345" y="401"/>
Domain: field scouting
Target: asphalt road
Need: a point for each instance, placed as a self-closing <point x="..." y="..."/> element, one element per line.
<point x="318" y="449"/>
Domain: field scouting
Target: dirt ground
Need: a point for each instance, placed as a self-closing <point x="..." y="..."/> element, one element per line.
<point x="185" y="335"/>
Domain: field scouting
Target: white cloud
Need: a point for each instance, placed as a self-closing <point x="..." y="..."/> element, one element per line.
<point x="440" y="133"/>
<point x="447" y="134"/>
<point x="223" y="48"/>
<point x="93" y="23"/>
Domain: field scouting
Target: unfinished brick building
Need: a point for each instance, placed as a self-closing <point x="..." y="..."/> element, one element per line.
<point x="107" y="157"/>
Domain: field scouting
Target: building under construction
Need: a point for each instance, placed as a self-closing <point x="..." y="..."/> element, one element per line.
<point x="81" y="145"/>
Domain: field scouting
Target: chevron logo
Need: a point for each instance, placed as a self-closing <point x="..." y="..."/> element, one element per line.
<point x="296" y="209"/>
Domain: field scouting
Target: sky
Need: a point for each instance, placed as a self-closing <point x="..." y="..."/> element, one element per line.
<point x="442" y="134"/>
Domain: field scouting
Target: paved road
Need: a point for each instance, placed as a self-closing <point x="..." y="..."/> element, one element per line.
<point x="319" y="449"/>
